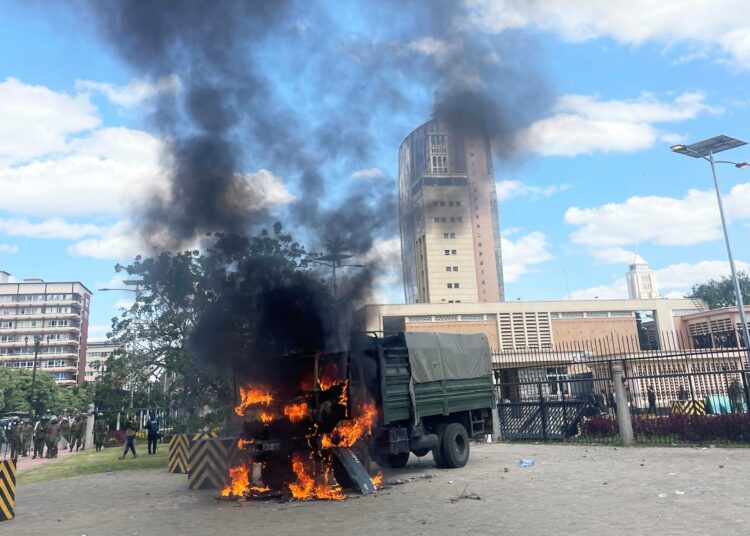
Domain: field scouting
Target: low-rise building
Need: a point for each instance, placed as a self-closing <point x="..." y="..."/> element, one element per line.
<point x="97" y="353"/>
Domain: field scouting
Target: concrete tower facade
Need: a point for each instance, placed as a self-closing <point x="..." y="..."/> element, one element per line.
<point x="642" y="282"/>
<point x="450" y="225"/>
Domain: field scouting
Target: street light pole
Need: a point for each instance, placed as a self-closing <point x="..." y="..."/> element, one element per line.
<point x="706" y="149"/>
<point x="32" y="395"/>
<point x="732" y="267"/>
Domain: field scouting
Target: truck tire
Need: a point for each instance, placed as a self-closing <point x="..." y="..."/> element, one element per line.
<point x="454" y="447"/>
<point x="437" y="453"/>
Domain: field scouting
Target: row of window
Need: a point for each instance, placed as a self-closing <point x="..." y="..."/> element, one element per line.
<point x="29" y="350"/>
<point x="450" y="252"/>
<point x="449" y="235"/>
<point x="9" y="324"/>
<point x="453" y="285"/>
<point x="45" y="338"/>
<point x="35" y="311"/>
<point x="52" y="363"/>
<point x="99" y="354"/>
<point x="451" y="268"/>
<point x="446" y="203"/>
<point x="446" y="219"/>
<point x="8" y="298"/>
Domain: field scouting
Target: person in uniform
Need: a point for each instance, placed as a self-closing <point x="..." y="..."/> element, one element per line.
<point x="152" y="427"/>
<point x="84" y="425"/>
<point x="15" y="437"/>
<point x="75" y="434"/>
<point x="65" y="429"/>
<point x="39" y="438"/>
<point x="26" y="433"/>
<point x="100" y="431"/>
<point x="53" y="437"/>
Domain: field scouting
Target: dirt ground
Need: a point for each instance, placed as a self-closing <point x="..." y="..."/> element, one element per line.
<point x="569" y="490"/>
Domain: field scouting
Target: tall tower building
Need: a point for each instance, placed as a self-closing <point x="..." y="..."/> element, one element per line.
<point x="642" y="282"/>
<point x="58" y="313"/>
<point x="450" y="226"/>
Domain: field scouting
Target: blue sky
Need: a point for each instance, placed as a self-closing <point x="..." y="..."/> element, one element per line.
<point x="593" y="179"/>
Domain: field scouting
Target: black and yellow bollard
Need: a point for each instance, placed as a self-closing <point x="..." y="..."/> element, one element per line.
<point x="7" y="489"/>
<point x="179" y="447"/>
<point x="192" y="440"/>
<point x="211" y="459"/>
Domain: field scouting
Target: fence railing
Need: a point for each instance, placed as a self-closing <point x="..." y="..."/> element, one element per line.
<point x="675" y="392"/>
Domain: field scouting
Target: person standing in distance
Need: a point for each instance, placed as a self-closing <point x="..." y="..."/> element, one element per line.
<point x="130" y="429"/>
<point x="100" y="432"/>
<point x="152" y="427"/>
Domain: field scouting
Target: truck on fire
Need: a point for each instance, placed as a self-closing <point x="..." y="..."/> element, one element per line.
<point x="435" y="394"/>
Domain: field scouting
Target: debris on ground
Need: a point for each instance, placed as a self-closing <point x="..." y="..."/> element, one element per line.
<point x="505" y="470"/>
<point x="526" y="462"/>
<point x="400" y="481"/>
<point x="464" y="495"/>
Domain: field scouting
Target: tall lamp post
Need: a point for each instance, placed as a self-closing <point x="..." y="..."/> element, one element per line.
<point x="37" y="347"/>
<point x="706" y="150"/>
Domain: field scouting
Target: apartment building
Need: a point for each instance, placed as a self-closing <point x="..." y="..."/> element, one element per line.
<point x="56" y="313"/>
<point x="97" y="353"/>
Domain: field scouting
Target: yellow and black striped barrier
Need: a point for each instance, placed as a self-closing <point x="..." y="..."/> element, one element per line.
<point x="7" y="489"/>
<point x="211" y="459"/>
<point x="192" y="440"/>
<point x="179" y="447"/>
<point x="688" y="407"/>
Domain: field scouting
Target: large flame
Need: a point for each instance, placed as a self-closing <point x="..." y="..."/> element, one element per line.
<point x="240" y="482"/>
<point x="296" y="412"/>
<point x="250" y="397"/>
<point x="348" y="432"/>
<point x="266" y="417"/>
<point x="312" y="485"/>
<point x="328" y="377"/>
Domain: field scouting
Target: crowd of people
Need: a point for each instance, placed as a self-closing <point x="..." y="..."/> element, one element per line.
<point x="44" y="437"/>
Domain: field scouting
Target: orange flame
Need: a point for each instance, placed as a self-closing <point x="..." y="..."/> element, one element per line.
<point x="242" y="443"/>
<point x="296" y="412"/>
<point x="344" y="397"/>
<point x="240" y="482"/>
<point x="328" y="377"/>
<point x="266" y="417"/>
<point x="348" y="432"/>
<point x="310" y="485"/>
<point x="252" y="396"/>
<point x="377" y="480"/>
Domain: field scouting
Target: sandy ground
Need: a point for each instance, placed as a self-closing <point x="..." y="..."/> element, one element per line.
<point x="569" y="490"/>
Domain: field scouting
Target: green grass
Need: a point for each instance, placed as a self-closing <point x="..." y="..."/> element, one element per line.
<point x="91" y="462"/>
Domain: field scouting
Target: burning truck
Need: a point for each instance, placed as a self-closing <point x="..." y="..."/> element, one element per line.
<point x="387" y="397"/>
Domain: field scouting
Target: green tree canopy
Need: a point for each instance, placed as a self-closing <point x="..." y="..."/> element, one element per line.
<point x="720" y="292"/>
<point x="15" y="390"/>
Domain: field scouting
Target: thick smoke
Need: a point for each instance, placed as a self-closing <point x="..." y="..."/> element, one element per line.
<point x="232" y="116"/>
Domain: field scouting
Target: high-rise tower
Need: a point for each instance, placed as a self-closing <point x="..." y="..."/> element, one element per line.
<point x="450" y="226"/>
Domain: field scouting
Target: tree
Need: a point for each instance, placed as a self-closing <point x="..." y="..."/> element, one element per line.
<point x="15" y="389"/>
<point x="720" y="292"/>
<point x="159" y="336"/>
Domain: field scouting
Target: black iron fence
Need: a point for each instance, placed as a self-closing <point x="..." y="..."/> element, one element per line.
<point x="675" y="392"/>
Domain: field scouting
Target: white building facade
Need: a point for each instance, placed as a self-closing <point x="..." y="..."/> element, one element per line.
<point x="642" y="283"/>
<point x="56" y="313"/>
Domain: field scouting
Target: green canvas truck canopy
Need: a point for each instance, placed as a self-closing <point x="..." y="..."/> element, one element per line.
<point x="447" y="356"/>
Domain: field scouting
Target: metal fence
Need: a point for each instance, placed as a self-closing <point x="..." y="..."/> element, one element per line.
<point x="677" y="391"/>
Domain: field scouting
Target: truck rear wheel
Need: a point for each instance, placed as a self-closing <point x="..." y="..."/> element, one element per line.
<point x="454" y="447"/>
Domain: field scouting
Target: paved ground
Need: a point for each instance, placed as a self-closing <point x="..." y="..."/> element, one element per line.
<point x="570" y="490"/>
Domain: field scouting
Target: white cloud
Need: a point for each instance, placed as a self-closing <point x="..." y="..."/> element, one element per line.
<point x="368" y="173"/>
<point x="583" y="125"/>
<point x="37" y="121"/>
<point x="118" y="242"/>
<point x="616" y="255"/>
<point x="9" y="248"/>
<point x="508" y="189"/>
<point x="663" y="220"/>
<point x="698" y="23"/>
<point x="53" y="228"/>
<point x="133" y="94"/>
<point x="675" y="281"/>
<point x="520" y="256"/>
<point x="98" y="332"/>
<point x="271" y="188"/>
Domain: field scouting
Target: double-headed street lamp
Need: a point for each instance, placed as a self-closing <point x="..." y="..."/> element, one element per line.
<point x="706" y="150"/>
<point x="334" y="262"/>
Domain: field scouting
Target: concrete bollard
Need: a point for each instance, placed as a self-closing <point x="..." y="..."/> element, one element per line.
<point x="623" y="410"/>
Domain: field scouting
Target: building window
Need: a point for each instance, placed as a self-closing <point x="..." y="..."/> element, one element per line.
<point x="450" y="285"/>
<point x="453" y="252"/>
<point x="437" y="220"/>
<point x="445" y="235"/>
<point x="447" y="251"/>
<point x="443" y="219"/>
<point x="455" y="268"/>
<point x="458" y="203"/>
<point x="453" y="235"/>
<point x="447" y="268"/>
<point x="442" y="203"/>
<point x="459" y="219"/>
<point x="453" y="220"/>
<point x="450" y="203"/>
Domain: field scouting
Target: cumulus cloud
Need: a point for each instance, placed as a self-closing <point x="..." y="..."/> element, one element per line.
<point x="52" y="228"/>
<point x="675" y="280"/>
<point x="522" y="255"/>
<point x="37" y="121"/>
<point x="583" y="125"/>
<point x="616" y="256"/>
<point x="8" y="248"/>
<point x="668" y="221"/>
<point x="134" y="93"/>
<point x="368" y="173"/>
<point x="272" y="188"/>
<point x="118" y="242"/>
<point x="710" y="26"/>
<point x="508" y="189"/>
